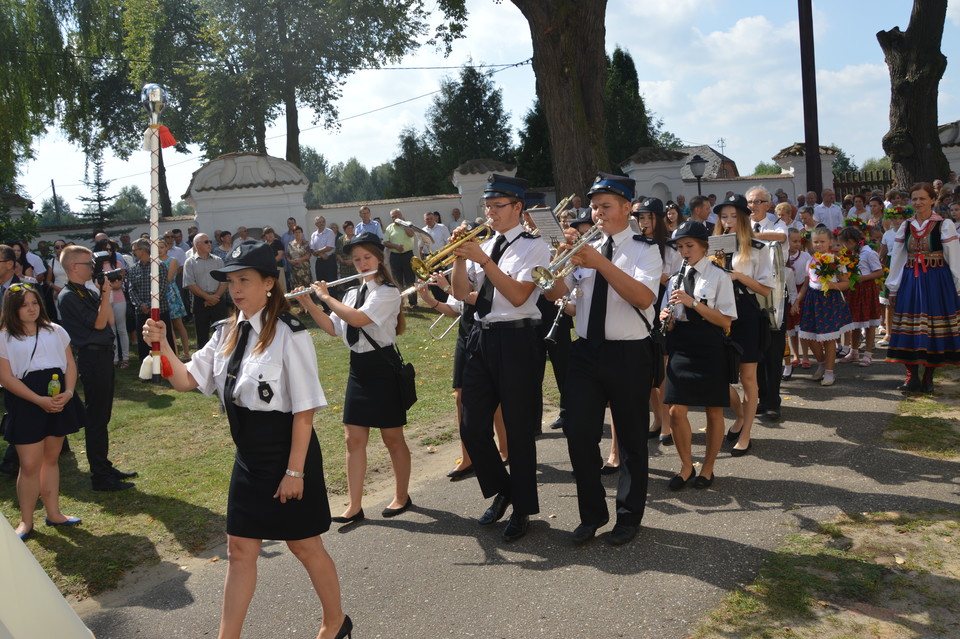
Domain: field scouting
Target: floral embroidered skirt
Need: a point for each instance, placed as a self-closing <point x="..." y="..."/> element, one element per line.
<point x="824" y="317"/>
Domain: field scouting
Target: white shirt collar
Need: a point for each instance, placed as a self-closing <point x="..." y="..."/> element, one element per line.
<point x="512" y="234"/>
<point x="256" y="320"/>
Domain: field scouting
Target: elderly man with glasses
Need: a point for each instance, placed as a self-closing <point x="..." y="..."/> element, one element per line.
<point x="209" y="305"/>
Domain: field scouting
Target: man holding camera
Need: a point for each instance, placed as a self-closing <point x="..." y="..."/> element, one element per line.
<point x="87" y="318"/>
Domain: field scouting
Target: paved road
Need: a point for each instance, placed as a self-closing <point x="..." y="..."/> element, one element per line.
<point x="434" y="573"/>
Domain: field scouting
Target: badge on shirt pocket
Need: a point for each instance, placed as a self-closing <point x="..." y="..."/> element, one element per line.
<point x="265" y="392"/>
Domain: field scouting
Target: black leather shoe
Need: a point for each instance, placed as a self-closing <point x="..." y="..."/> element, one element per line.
<point x="457" y="475"/>
<point x="609" y="470"/>
<point x="584" y="533"/>
<point x="910" y="385"/>
<point x="623" y="533"/>
<point x="346" y="628"/>
<point x="495" y="511"/>
<point x="119" y="474"/>
<point x="702" y="482"/>
<point x="9" y="468"/>
<point x="679" y="483"/>
<point x="653" y="434"/>
<point x="666" y="440"/>
<point x="740" y="452"/>
<point x="516" y="527"/>
<point x="557" y="424"/>
<point x="772" y="415"/>
<point x="111" y="485"/>
<point x="393" y="512"/>
<point x="926" y="386"/>
<point x="732" y="436"/>
<point x="358" y="516"/>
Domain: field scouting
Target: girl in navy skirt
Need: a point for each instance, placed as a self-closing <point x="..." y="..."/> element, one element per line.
<point x="864" y="298"/>
<point x="369" y="318"/>
<point x="924" y="280"/>
<point x="825" y="315"/>
<point x="32" y="352"/>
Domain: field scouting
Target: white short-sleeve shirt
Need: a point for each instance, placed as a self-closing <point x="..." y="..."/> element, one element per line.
<point x="520" y="257"/>
<point x="51" y="343"/>
<point x="288" y="367"/>
<point x="381" y="305"/>
<point x="712" y="287"/>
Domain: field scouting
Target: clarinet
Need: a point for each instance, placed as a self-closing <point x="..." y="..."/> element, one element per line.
<point x="667" y="325"/>
<point x="551" y="336"/>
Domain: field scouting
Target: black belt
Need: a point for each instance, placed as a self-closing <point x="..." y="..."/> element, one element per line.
<point x="96" y="347"/>
<point x="520" y="323"/>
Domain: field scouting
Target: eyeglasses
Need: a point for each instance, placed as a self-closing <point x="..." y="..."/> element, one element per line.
<point x="205" y="242"/>
<point x="497" y="207"/>
<point x="90" y="264"/>
<point x="757" y="201"/>
<point x="59" y="246"/>
<point x="20" y="287"/>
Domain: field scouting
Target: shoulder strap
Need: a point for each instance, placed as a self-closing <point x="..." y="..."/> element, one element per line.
<point x="380" y="349"/>
<point x="291" y="321"/>
<point x="644" y="238"/>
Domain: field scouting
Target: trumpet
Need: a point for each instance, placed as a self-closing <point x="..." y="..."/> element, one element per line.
<point x="444" y="257"/>
<point x="546" y="276"/>
<point x="342" y="280"/>
<point x="668" y="323"/>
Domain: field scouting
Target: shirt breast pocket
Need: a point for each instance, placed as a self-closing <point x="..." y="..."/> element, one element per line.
<point x="259" y="385"/>
<point x="510" y="265"/>
<point x="705" y="290"/>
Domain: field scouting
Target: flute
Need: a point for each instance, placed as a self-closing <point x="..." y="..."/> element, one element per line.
<point x="342" y="280"/>
<point x="667" y="325"/>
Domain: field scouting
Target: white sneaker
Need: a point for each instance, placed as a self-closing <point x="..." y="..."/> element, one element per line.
<point x="865" y="359"/>
<point x="852" y="356"/>
<point x="828" y="379"/>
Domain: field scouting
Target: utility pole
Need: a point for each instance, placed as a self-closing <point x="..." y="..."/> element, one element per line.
<point x="808" y="78"/>
<point x="56" y="202"/>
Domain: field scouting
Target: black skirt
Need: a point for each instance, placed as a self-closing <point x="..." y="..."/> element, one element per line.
<point x="263" y="442"/>
<point x="373" y="390"/>
<point x="745" y="330"/>
<point x="697" y="366"/>
<point x="28" y="423"/>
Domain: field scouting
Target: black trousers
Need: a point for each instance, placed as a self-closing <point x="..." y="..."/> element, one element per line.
<point x="143" y="349"/>
<point x="559" y="353"/>
<point x="402" y="273"/>
<point x="618" y="373"/>
<point x="326" y="269"/>
<point x="95" y="368"/>
<point x="500" y="369"/>
<point x="204" y="316"/>
<point x="770" y="368"/>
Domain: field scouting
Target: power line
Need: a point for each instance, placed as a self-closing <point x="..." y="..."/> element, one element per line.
<point x="197" y="63"/>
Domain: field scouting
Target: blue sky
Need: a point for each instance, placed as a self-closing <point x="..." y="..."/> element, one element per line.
<point x="710" y="69"/>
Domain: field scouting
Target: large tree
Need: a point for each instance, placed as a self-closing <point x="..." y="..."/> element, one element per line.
<point x="627" y="123"/>
<point x="569" y="60"/>
<point x="916" y="66"/>
<point x="534" y="157"/>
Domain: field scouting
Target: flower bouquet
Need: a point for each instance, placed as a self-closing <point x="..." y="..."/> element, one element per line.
<point x="851" y="261"/>
<point x="825" y="267"/>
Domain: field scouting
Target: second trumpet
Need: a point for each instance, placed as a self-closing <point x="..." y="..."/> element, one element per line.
<point x="546" y="276"/>
<point x="444" y="257"/>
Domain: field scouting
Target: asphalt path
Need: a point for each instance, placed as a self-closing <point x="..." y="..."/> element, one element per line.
<point x="433" y="572"/>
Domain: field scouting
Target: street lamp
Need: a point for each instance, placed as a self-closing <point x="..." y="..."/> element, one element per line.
<point x="697" y="166"/>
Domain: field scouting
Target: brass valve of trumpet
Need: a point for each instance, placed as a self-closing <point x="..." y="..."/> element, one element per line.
<point x="444" y="257"/>
<point x="546" y="277"/>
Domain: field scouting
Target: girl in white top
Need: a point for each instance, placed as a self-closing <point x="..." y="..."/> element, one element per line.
<point x="752" y="276"/>
<point x="796" y="265"/>
<point x="32" y="352"/>
<point x="863" y="298"/>
<point x="369" y="318"/>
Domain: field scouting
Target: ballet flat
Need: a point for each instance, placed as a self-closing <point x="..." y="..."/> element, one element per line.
<point x="71" y="521"/>
<point x="358" y="516"/>
<point x="393" y="512"/>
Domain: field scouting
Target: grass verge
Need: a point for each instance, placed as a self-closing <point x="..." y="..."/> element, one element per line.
<point x="877" y="575"/>
<point x="929" y="425"/>
<point x="180" y="444"/>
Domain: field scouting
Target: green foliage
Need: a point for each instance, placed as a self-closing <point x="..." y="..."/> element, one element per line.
<point x="533" y="156"/>
<point x="877" y="164"/>
<point x="767" y="168"/>
<point x="416" y="170"/>
<point x="843" y="163"/>
<point x="628" y="123"/>
<point x="96" y="212"/>
<point x="182" y="208"/>
<point x="17" y="226"/>
<point x="131" y="204"/>
<point x="347" y="181"/>
<point x="48" y="213"/>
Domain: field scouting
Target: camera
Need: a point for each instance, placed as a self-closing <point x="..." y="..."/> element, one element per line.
<point x="99" y="275"/>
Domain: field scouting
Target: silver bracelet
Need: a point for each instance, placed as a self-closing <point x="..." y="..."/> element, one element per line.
<point x="294" y="473"/>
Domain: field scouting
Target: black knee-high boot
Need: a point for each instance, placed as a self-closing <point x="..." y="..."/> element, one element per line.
<point x="927" y="385"/>
<point x="912" y="382"/>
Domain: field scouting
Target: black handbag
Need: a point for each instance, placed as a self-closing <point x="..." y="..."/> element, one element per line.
<point x="658" y="351"/>
<point x="734" y="353"/>
<point x="406" y="373"/>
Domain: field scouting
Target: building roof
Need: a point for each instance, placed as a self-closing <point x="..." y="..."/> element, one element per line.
<point x="949" y="133"/>
<point x="14" y="200"/>
<point x="798" y="149"/>
<point x="647" y="154"/>
<point x="484" y="165"/>
<point x="244" y="171"/>
<point x="715" y="161"/>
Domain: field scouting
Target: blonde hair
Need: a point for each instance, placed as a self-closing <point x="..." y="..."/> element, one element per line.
<point x="744" y="237"/>
<point x="783" y="206"/>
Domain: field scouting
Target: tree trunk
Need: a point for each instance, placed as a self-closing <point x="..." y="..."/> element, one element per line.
<point x="569" y="60"/>
<point x="916" y="67"/>
<point x="288" y="90"/>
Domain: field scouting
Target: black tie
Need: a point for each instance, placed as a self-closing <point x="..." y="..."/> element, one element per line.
<point x="233" y="370"/>
<point x="688" y="286"/>
<point x="353" y="333"/>
<point x="756" y="227"/>
<point x="485" y="298"/>
<point x="596" y="323"/>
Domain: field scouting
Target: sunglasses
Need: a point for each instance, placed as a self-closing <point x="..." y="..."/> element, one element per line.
<point x="16" y="288"/>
